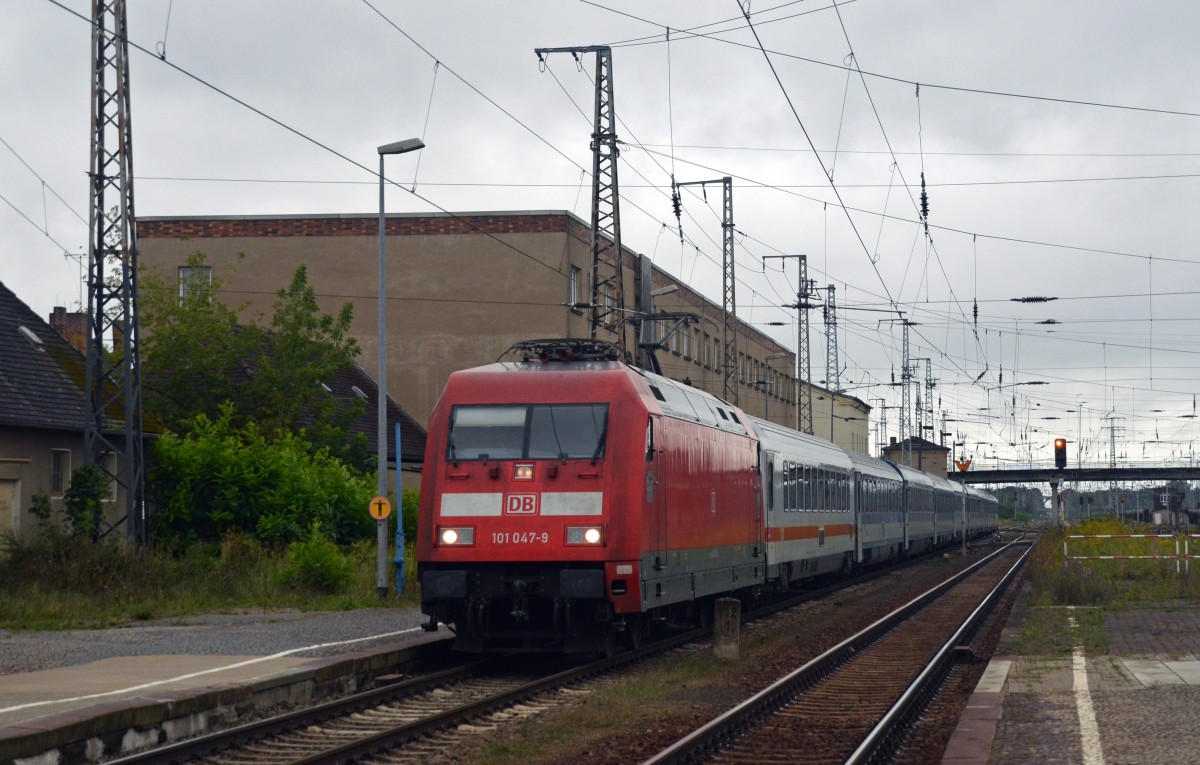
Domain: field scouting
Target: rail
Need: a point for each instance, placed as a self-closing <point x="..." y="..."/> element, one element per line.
<point x="709" y="737"/>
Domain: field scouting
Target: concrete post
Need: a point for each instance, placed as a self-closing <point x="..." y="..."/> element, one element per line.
<point x="727" y="628"/>
<point x="1058" y="509"/>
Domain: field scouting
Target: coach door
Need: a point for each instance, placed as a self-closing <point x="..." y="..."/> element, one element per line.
<point x="656" y="495"/>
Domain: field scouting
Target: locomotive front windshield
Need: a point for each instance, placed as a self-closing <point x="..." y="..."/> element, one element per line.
<point x="527" y="431"/>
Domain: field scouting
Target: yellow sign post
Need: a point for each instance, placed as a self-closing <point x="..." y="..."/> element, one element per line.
<point x="380" y="508"/>
<point x="962" y="465"/>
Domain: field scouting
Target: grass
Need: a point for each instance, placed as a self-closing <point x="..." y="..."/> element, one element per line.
<point x="611" y="711"/>
<point x="62" y="582"/>
<point x="1048" y="632"/>
<point x="1087" y="589"/>
<point x="1109" y="583"/>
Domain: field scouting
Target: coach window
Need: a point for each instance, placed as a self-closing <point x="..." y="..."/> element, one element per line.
<point x="789" y="486"/>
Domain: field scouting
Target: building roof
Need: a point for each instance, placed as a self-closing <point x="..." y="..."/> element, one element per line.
<point x="347" y="384"/>
<point x="42" y="378"/>
<point x="916" y="444"/>
<point x="412" y="436"/>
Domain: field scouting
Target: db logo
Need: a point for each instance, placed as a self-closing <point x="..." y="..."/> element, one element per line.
<point x="521" y="504"/>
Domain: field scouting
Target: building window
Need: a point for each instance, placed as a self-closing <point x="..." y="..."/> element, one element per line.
<point x="60" y="470"/>
<point x="574" y="280"/>
<point x="193" y="278"/>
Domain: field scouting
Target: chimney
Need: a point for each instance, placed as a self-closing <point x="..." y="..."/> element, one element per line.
<point x="72" y="327"/>
<point x="893" y="440"/>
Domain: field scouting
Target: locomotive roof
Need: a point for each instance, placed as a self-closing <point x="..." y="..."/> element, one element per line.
<point x="675" y="399"/>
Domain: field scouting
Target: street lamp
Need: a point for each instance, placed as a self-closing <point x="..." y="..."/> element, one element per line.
<point x="381" y="579"/>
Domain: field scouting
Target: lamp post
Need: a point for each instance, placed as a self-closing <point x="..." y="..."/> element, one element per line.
<point x="381" y="578"/>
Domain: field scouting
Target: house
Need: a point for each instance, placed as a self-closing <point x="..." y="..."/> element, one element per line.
<point x="42" y="411"/>
<point x="919" y="453"/>
<point x="41" y="414"/>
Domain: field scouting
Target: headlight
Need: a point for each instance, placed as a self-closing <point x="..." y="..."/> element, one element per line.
<point x="457" y="536"/>
<point x="523" y="471"/>
<point x="584" y="535"/>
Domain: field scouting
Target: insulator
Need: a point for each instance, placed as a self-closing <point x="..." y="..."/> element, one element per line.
<point x="924" y="199"/>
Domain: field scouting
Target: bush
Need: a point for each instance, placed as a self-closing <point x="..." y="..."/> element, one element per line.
<point x="220" y="478"/>
<point x="409" y="505"/>
<point x="316" y="563"/>
<point x="84" y="501"/>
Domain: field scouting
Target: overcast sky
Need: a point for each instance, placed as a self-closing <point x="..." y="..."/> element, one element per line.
<point x="1060" y="143"/>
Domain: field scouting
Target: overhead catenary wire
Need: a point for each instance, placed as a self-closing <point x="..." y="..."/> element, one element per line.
<point x="425" y="127"/>
<point x="823" y="203"/>
<point x="654" y="40"/>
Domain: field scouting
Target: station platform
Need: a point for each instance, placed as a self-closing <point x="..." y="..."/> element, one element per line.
<point x="113" y="691"/>
<point x="1137" y="703"/>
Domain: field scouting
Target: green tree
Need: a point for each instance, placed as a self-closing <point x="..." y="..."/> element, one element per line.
<point x="195" y="352"/>
<point x="219" y="477"/>
<point x="198" y="356"/>
<point x="307" y="348"/>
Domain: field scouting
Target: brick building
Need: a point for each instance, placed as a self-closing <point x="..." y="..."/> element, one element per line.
<point x="463" y="288"/>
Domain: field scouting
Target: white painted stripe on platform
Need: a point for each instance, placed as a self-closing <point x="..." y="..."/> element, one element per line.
<point x="190" y="675"/>
<point x="1151" y="672"/>
<point x="994" y="676"/>
<point x="1089" y="730"/>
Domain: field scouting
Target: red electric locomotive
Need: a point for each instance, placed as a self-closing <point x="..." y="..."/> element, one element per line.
<point x="568" y="499"/>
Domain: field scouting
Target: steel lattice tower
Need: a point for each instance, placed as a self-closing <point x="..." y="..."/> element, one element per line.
<point x="803" y="357"/>
<point x="607" y="278"/>
<point x="728" y="289"/>
<point x="905" y="400"/>
<point x="930" y="384"/>
<point x="832" y="368"/>
<point x="113" y="438"/>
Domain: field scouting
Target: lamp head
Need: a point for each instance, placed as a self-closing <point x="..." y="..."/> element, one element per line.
<point x="402" y="147"/>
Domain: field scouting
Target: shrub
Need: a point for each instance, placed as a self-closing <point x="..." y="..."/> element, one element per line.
<point x="409" y="504"/>
<point x="316" y="563"/>
<point x="84" y="501"/>
<point x="219" y="478"/>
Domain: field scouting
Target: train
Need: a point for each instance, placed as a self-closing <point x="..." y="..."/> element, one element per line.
<point x="572" y="502"/>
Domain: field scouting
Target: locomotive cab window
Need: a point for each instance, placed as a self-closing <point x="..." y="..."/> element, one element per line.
<point x="530" y="431"/>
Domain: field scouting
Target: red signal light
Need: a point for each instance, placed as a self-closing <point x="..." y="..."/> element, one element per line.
<point x="1060" y="453"/>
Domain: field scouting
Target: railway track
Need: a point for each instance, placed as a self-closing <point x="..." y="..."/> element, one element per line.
<point x="399" y="722"/>
<point x="409" y="721"/>
<point x="853" y="703"/>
